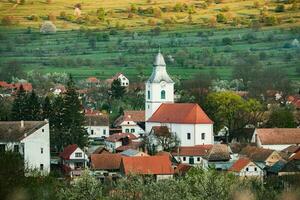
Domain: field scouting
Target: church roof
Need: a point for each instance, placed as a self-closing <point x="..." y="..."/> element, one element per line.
<point x="180" y="113"/>
<point x="159" y="73"/>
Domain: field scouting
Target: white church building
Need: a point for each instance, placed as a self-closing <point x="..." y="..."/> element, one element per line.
<point x="187" y="120"/>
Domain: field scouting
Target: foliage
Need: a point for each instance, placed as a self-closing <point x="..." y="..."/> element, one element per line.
<point x="117" y="90"/>
<point x="48" y="28"/>
<point x="281" y="118"/>
<point x="19" y="105"/>
<point x="11" y="70"/>
<point x="279" y="8"/>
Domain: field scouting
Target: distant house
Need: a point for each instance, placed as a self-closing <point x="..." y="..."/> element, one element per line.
<point x="276" y="138"/>
<point x="244" y="167"/>
<point x="119" y="139"/>
<point x="295" y="101"/>
<point x="182" y="169"/>
<point x="73" y="159"/>
<point x="58" y="89"/>
<point x="218" y="157"/>
<point x="29" y="138"/>
<point x="93" y="81"/>
<point x="13" y="87"/>
<point x="121" y="77"/>
<point x="158" y="166"/>
<point x="191" y="155"/>
<point x="106" y="164"/>
<point x="133" y="152"/>
<point x="260" y="155"/>
<point x="132" y="121"/>
<point x="292" y="167"/>
<point x="97" y="125"/>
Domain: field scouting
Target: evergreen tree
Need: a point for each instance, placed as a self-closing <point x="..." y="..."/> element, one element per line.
<point x="32" y="107"/>
<point x="73" y="117"/>
<point x="18" y="111"/>
<point x="47" y="108"/>
<point x="117" y="90"/>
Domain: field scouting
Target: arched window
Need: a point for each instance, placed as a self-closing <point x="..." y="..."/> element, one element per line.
<point x="188" y="136"/>
<point x="203" y="136"/>
<point x="163" y="94"/>
<point x="148" y="94"/>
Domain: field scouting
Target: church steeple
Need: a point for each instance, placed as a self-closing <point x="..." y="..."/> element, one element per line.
<point x="159" y="87"/>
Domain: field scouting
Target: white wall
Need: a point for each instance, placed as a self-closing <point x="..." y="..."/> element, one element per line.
<point x="111" y="146"/>
<point x="124" y="80"/>
<point x="132" y="126"/>
<point x="251" y="171"/>
<point x="98" y="131"/>
<point x="197" y="159"/>
<point x="33" y="143"/>
<point x="195" y="131"/>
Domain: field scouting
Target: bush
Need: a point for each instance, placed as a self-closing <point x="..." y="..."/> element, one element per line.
<point x="221" y="18"/>
<point x="48" y="28"/>
<point x="225" y="9"/>
<point x="227" y="41"/>
<point x="279" y="8"/>
<point x="271" y="20"/>
<point x="33" y="17"/>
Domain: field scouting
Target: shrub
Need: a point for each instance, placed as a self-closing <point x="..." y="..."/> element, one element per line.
<point x="48" y="28"/>
<point x="33" y="17"/>
<point x="225" y="9"/>
<point x="279" y="8"/>
<point x="227" y="41"/>
<point x="221" y="18"/>
<point x="101" y="14"/>
<point x="271" y="20"/>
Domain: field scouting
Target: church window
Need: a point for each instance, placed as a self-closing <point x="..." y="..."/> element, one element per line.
<point x="183" y="158"/>
<point x="148" y="94"/>
<point x="163" y="94"/>
<point x="203" y="136"/>
<point x="188" y="136"/>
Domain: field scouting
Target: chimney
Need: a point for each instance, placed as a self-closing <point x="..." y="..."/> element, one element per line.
<point x="22" y="124"/>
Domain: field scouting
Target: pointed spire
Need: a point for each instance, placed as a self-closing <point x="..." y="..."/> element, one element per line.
<point x="159" y="60"/>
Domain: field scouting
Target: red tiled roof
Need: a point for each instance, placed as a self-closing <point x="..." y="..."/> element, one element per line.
<point x="68" y="151"/>
<point x="92" y="112"/>
<point x="131" y="145"/>
<point x="239" y="165"/>
<point x="181" y="113"/>
<point x="26" y="86"/>
<point x="278" y="135"/>
<point x="182" y="169"/>
<point x="161" y="130"/>
<point x="198" y="150"/>
<point x="92" y="80"/>
<point x="147" y="165"/>
<point x="106" y="161"/>
<point x="295" y="100"/>
<point x="134" y="115"/>
<point x="117" y="136"/>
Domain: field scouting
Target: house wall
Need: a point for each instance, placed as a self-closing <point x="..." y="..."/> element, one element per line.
<point x="98" y="131"/>
<point x="111" y="146"/>
<point x="186" y="159"/>
<point x="73" y="159"/>
<point x="124" y="80"/>
<point x="182" y="130"/>
<point x="132" y="126"/>
<point x="163" y="177"/>
<point x="251" y="170"/>
<point x="34" y="156"/>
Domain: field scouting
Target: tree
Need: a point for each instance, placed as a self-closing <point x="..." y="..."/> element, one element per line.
<point x="281" y="118"/>
<point x="12" y="69"/>
<point x="48" y="28"/>
<point x="32" y="107"/>
<point x="73" y="117"/>
<point x="5" y="111"/>
<point x="19" y="105"/>
<point x="47" y="108"/>
<point x="117" y="90"/>
<point x="230" y="110"/>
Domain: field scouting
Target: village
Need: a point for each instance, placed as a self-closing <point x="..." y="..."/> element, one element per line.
<point x="165" y="140"/>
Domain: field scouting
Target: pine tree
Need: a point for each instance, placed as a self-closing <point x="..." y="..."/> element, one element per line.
<point x="32" y="107"/>
<point x="73" y="117"/>
<point x="117" y="90"/>
<point x="47" y="108"/>
<point x="18" y="111"/>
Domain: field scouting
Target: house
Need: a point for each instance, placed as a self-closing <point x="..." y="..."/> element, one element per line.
<point x="12" y="87"/>
<point x="276" y="138"/>
<point x="295" y="101"/>
<point x="182" y="169"/>
<point x="292" y="167"/>
<point x="29" y="138"/>
<point x="97" y="125"/>
<point x="133" y="152"/>
<point x="93" y="81"/>
<point x="73" y="159"/>
<point x="191" y="155"/>
<point x="244" y="167"/>
<point x="121" y="77"/>
<point x="58" y="89"/>
<point x="118" y="140"/>
<point x="132" y="121"/>
<point x="106" y="163"/>
<point x="218" y="157"/>
<point x="158" y="166"/>
<point x="260" y="155"/>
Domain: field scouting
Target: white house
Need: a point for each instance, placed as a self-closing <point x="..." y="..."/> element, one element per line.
<point x="121" y="77"/>
<point x="276" y="138"/>
<point x="132" y="121"/>
<point x="73" y="159"/>
<point x="187" y="120"/>
<point x="246" y="168"/>
<point x="113" y="142"/>
<point x="97" y="125"/>
<point x="29" y="138"/>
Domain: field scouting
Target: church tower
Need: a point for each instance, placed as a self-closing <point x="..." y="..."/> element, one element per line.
<point x="159" y="87"/>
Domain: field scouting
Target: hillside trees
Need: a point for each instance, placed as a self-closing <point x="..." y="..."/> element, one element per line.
<point x="19" y="105"/>
<point x="117" y="90"/>
<point x="281" y="118"/>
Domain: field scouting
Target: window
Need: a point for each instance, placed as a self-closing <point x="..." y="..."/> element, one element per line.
<point x="42" y="150"/>
<point x="43" y="130"/>
<point x="203" y="136"/>
<point x="183" y="158"/>
<point x="132" y="130"/>
<point x="127" y="130"/>
<point x="191" y="160"/>
<point x="92" y="132"/>
<point x="41" y="166"/>
<point x="198" y="159"/>
<point x="188" y="135"/>
<point x="2" y="148"/>
<point x="16" y="148"/>
<point x="104" y="132"/>
<point x="78" y="155"/>
<point x="148" y="94"/>
<point x="255" y="169"/>
<point x="123" y="84"/>
<point x="128" y="122"/>
<point x="247" y="169"/>
<point x="163" y="94"/>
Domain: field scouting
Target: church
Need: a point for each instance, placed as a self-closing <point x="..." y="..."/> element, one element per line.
<point x="187" y="120"/>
